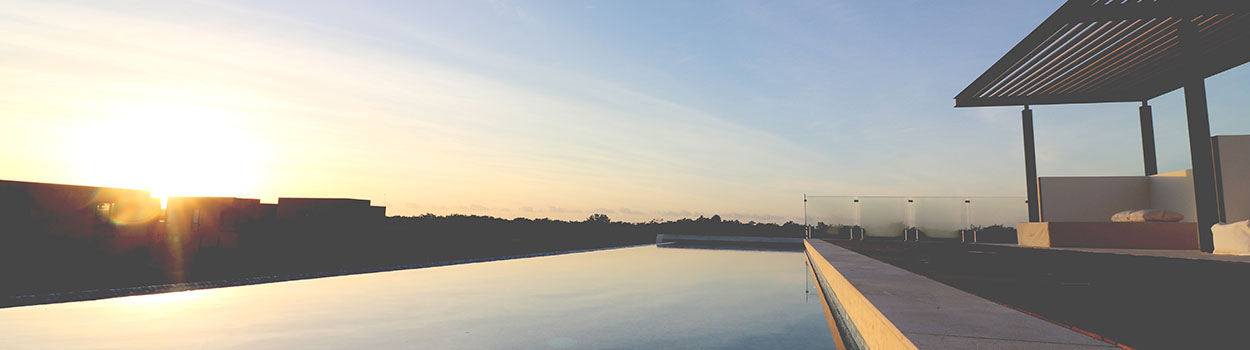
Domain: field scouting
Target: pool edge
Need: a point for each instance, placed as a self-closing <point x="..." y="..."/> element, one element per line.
<point x="859" y="323"/>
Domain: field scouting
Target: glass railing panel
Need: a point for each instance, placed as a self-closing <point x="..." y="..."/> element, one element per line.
<point x="939" y="217"/>
<point x="831" y="216"/>
<point x="995" y="218"/>
<point x="883" y="217"/>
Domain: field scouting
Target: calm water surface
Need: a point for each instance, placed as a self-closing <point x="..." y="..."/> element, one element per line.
<point x="630" y="298"/>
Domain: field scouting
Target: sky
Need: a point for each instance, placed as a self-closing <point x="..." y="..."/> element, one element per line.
<point x="639" y="110"/>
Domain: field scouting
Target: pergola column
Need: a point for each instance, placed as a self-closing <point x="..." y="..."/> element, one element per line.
<point x="1202" y="158"/>
<point x="1030" y="165"/>
<point x="1148" y="139"/>
<point x="1201" y="155"/>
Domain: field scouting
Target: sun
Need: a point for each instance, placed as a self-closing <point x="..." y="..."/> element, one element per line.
<point x="172" y="149"/>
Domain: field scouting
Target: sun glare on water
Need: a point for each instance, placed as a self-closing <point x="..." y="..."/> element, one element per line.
<point x="172" y="150"/>
<point x="159" y="300"/>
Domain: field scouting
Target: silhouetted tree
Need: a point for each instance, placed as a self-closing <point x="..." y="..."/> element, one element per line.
<point x="598" y="219"/>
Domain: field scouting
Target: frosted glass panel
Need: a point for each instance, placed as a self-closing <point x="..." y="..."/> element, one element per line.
<point x="883" y="216"/>
<point x="934" y="217"/>
<point x="940" y="217"/>
<point x="831" y="216"/>
<point x="990" y="211"/>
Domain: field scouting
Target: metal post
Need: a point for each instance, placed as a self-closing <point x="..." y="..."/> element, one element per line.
<point x="807" y="230"/>
<point x="1148" y="139"/>
<point x="910" y="219"/>
<point x="857" y="222"/>
<point x="1202" y="159"/>
<point x="1200" y="153"/>
<point x="1030" y="165"/>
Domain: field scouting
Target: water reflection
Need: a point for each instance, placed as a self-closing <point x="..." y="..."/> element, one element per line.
<point x="834" y="331"/>
<point x="767" y="247"/>
<point x="643" y="297"/>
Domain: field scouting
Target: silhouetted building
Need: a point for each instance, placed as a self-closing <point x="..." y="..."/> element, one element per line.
<point x="211" y="221"/>
<point x="111" y="219"/>
<point x="268" y="212"/>
<point x="63" y="237"/>
<point x="327" y="215"/>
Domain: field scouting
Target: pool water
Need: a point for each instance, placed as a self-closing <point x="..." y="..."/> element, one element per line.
<point x="650" y="297"/>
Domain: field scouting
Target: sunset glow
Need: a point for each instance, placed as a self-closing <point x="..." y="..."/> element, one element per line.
<point x="172" y="150"/>
<point x="508" y="108"/>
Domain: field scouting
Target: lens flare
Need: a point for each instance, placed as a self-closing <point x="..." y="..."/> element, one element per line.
<point x="136" y="213"/>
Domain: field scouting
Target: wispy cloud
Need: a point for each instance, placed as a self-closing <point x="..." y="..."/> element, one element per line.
<point x="630" y="211"/>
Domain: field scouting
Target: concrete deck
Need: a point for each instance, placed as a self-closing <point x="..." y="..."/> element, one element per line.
<point x="878" y="305"/>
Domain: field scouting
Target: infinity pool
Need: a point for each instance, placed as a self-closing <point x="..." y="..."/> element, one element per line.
<point x="650" y="297"/>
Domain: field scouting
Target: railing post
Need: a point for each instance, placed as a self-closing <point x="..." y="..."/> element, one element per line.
<point x="807" y="229"/>
<point x="857" y="221"/>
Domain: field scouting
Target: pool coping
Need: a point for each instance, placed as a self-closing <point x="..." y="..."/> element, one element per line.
<point x="875" y="305"/>
<point x="665" y="237"/>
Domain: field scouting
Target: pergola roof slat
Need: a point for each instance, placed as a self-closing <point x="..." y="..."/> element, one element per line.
<point x="1115" y="51"/>
<point x="1038" y="73"/>
<point x="1099" y="57"/>
<point x="1122" y="62"/>
<point x="1077" y="57"/>
<point x="1134" y="66"/>
<point x="1036" y="56"/>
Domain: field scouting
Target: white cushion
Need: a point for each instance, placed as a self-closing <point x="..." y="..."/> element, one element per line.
<point x="1121" y="216"/>
<point x="1232" y="238"/>
<point x="1155" y="215"/>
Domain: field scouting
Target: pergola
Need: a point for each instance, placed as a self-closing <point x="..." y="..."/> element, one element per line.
<point x="1092" y="51"/>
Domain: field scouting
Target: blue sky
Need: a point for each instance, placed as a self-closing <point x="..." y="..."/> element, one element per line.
<point x="637" y="109"/>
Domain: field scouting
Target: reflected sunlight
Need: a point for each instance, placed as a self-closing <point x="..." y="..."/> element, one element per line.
<point x="160" y="300"/>
<point x="171" y="149"/>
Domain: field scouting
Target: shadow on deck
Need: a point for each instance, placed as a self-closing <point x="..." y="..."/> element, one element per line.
<point x="1141" y="300"/>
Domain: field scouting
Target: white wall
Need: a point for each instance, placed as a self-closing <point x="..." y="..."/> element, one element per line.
<point x="1174" y="191"/>
<point x="1092" y="198"/>
<point x="1096" y="198"/>
<point x="1234" y="165"/>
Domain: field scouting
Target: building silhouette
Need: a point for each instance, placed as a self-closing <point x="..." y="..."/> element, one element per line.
<point x="66" y="231"/>
<point x="114" y="220"/>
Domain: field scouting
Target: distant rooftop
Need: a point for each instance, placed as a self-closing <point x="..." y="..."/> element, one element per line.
<point x="83" y="187"/>
<point x="321" y="199"/>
